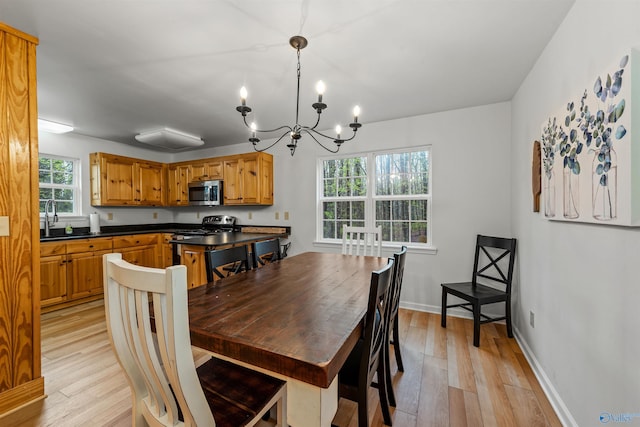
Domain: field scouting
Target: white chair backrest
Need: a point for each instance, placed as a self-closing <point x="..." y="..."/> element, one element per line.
<point x="151" y="366"/>
<point x="366" y="241"/>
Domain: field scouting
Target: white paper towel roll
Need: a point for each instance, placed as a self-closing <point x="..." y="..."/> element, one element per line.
<point x="94" y="223"/>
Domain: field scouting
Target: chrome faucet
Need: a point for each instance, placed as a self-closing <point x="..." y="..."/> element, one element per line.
<point x="47" y="225"/>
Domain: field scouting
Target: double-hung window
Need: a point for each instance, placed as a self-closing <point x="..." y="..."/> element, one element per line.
<point x="390" y="188"/>
<point x="59" y="181"/>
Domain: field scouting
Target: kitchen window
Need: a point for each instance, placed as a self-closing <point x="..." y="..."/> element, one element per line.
<point x="391" y="189"/>
<point x="59" y="179"/>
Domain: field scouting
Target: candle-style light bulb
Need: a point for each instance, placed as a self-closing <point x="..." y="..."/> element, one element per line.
<point x="253" y="129"/>
<point x="338" y="131"/>
<point x="356" y="113"/>
<point x="320" y="88"/>
<point x="243" y="95"/>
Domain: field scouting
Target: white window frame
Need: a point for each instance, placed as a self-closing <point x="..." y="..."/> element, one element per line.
<point x="75" y="186"/>
<point x="370" y="199"/>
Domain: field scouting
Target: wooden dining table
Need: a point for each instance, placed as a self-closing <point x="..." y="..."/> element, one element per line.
<point x="296" y="319"/>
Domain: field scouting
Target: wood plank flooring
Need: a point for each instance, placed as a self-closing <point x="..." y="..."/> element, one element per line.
<point x="447" y="381"/>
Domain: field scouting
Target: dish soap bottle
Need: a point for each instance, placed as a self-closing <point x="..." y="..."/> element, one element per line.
<point x="68" y="229"/>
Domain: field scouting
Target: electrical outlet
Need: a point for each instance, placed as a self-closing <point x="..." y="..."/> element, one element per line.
<point x="277" y="215"/>
<point x="250" y="215"/>
<point x="155" y="215"/>
<point x="110" y="216"/>
<point x="532" y="319"/>
<point x="4" y="226"/>
<point x="286" y="215"/>
<point x="197" y="215"/>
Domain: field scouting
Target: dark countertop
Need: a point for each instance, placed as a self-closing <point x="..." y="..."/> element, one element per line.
<point x="58" y="234"/>
<point x="223" y="239"/>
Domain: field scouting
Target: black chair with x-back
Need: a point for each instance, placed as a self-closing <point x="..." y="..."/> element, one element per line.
<point x="493" y="255"/>
<point x="367" y="358"/>
<point x="236" y="258"/>
<point x="393" y="326"/>
<point x="265" y="252"/>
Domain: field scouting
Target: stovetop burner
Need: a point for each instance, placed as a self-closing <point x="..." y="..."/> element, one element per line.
<point x="211" y="224"/>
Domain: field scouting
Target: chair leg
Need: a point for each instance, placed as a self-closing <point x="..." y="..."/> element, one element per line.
<point x="396" y="344"/>
<point x="443" y="310"/>
<point x="476" y="325"/>
<point x="383" y="393"/>
<point x="507" y="311"/>
<point x="363" y="411"/>
<point x="387" y="376"/>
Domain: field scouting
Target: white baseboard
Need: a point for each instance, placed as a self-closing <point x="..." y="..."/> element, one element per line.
<point x="547" y="387"/>
<point x="549" y="390"/>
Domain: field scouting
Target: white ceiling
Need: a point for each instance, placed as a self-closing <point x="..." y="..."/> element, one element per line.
<point x="115" y="68"/>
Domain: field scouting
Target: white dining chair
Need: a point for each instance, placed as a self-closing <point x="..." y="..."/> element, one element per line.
<point x="361" y="240"/>
<point x="153" y="347"/>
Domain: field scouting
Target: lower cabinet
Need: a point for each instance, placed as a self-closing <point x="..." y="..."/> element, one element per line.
<point x="71" y="271"/>
<point x="193" y="258"/>
<point x="84" y="272"/>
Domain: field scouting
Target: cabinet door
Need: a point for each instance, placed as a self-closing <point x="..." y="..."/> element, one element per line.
<point x="249" y="177"/>
<point x="84" y="272"/>
<point x="149" y="183"/>
<point x="206" y="171"/>
<point x="53" y="280"/>
<point x="145" y="256"/>
<point x="167" y="251"/>
<point x="193" y="258"/>
<point x="232" y="182"/>
<point x="266" y="180"/>
<point x="118" y="180"/>
<point x="178" y="185"/>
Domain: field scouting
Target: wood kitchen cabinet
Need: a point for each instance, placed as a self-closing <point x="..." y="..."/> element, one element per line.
<point x="248" y="179"/>
<point x="139" y="249"/>
<point x="178" y="185"/>
<point x="166" y="250"/>
<point x="125" y="181"/>
<point x="193" y="257"/>
<point x="53" y="273"/>
<point x="210" y="169"/>
<point x="71" y="271"/>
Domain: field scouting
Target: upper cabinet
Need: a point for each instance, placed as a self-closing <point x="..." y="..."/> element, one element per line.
<point x="248" y="179"/>
<point x="208" y="170"/>
<point x="124" y="181"/>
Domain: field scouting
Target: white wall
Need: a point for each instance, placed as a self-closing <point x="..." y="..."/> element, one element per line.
<point x="582" y="281"/>
<point x="471" y="190"/>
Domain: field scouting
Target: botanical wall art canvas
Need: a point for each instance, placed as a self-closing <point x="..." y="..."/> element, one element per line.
<point x="590" y="151"/>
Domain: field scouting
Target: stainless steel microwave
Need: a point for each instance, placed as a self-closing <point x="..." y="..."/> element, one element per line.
<point x="205" y="193"/>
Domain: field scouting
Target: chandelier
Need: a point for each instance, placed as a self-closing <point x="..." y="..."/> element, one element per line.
<point x="295" y="132"/>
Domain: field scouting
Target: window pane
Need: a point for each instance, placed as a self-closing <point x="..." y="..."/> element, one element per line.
<point x="420" y="183"/>
<point x="44" y="163"/>
<point x="46" y="194"/>
<point x="383" y="185"/>
<point x="328" y="229"/>
<point x="62" y="194"/>
<point x="344" y="187"/>
<point x="44" y="177"/>
<point x="359" y="187"/>
<point x="329" y="168"/>
<point x="419" y="210"/>
<point x="419" y="232"/>
<point x="386" y="230"/>
<point x="343" y="210"/>
<point x="329" y="210"/>
<point x="400" y="232"/>
<point x="400" y="210"/>
<point x="383" y="210"/>
<point x="400" y="184"/>
<point x="62" y="178"/>
<point x="358" y="211"/>
<point x="329" y="187"/>
<point x="64" y="207"/>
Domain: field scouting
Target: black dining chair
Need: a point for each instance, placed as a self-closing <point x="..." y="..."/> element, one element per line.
<point x="366" y="360"/>
<point x="235" y="259"/>
<point x="495" y="255"/>
<point x="393" y="331"/>
<point x="265" y="252"/>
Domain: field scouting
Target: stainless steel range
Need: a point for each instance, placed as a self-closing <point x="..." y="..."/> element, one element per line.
<point x="210" y="225"/>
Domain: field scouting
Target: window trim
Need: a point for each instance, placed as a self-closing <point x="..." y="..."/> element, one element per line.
<point x="75" y="187"/>
<point x="370" y="198"/>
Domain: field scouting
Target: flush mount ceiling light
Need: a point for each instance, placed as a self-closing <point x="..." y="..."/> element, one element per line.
<point x="52" y="127"/>
<point x="169" y="138"/>
<point x="296" y="131"/>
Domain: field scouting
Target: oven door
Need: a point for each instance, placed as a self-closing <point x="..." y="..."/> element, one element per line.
<point x="205" y="193"/>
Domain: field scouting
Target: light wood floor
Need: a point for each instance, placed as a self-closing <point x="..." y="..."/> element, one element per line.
<point x="447" y="381"/>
